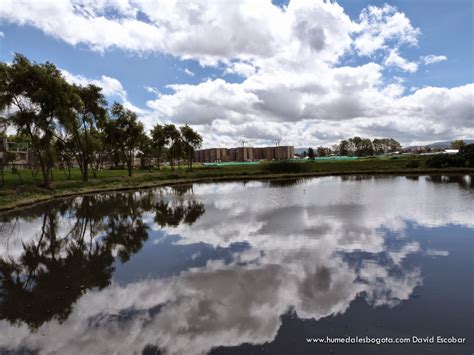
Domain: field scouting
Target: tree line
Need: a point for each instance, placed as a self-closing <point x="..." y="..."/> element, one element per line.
<point x="67" y="124"/>
<point x="357" y="146"/>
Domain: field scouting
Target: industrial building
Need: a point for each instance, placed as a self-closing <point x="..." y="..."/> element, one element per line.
<point x="214" y="155"/>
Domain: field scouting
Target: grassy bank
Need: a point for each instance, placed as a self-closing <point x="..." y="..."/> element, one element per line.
<point x="17" y="193"/>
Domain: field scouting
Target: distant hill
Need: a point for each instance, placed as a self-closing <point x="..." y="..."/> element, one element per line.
<point x="439" y="145"/>
<point x="443" y="145"/>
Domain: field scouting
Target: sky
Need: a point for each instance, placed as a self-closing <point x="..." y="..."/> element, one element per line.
<point x="300" y="72"/>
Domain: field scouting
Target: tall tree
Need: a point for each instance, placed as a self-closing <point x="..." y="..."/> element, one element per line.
<point x="40" y="97"/>
<point x="64" y="156"/>
<point x="458" y="144"/>
<point x="311" y="153"/>
<point x="323" y="151"/>
<point x="159" y="142"/>
<point x="191" y="141"/>
<point x="127" y="132"/>
<point x="173" y="137"/>
<point x="145" y="151"/>
<point x="5" y="159"/>
<point x="385" y="145"/>
<point x="344" y="147"/>
<point x="367" y="147"/>
<point x="89" y="115"/>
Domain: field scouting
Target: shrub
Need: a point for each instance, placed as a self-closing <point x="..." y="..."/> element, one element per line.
<point x="284" y="166"/>
<point x="445" y="161"/>
<point x="467" y="152"/>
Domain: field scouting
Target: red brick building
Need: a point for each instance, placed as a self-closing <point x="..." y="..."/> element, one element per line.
<point x="214" y="155"/>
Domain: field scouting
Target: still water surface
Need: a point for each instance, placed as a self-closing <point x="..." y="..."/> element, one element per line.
<point x="237" y="268"/>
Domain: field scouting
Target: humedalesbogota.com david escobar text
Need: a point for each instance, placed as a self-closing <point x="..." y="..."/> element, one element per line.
<point x="387" y="340"/>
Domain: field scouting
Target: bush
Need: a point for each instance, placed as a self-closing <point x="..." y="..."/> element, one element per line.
<point x="467" y="152"/>
<point x="445" y="161"/>
<point x="284" y="166"/>
<point x="413" y="164"/>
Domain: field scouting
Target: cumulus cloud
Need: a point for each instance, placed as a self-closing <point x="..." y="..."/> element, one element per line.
<point x="394" y="59"/>
<point x="111" y="88"/>
<point x="433" y="59"/>
<point x="289" y="59"/>
<point x="380" y="25"/>
<point x="242" y="69"/>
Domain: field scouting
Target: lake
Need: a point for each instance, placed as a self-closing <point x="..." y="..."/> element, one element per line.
<point x="274" y="267"/>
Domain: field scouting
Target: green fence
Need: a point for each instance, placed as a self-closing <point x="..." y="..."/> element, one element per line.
<point x="236" y="163"/>
<point x="328" y="158"/>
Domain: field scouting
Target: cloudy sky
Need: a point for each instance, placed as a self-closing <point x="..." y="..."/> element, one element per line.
<point x="303" y="72"/>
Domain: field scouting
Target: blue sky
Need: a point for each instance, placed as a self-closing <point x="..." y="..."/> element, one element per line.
<point x="445" y="30"/>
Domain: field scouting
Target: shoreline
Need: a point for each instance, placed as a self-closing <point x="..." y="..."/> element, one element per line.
<point x="23" y="202"/>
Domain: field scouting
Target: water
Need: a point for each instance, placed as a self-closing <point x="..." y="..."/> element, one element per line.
<point x="237" y="268"/>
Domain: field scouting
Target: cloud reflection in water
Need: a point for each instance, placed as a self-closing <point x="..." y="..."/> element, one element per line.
<point x="300" y="238"/>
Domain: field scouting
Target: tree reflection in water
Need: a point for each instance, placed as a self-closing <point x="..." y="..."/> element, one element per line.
<point x="59" y="266"/>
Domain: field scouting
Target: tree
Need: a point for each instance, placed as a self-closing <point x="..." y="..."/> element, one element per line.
<point x="64" y="156"/>
<point x="40" y="97"/>
<point x="191" y="141"/>
<point x="310" y="153"/>
<point x="344" y="147"/>
<point x="127" y="133"/>
<point x="361" y="146"/>
<point x="356" y="143"/>
<point x="385" y="145"/>
<point x="379" y="147"/>
<point x="322" y="151"/>
<point x="458" y="144"/>
<point x="173" y="138"/>
<point x="158" y="142"/>
<point x="87" y="115"/>
<point x="5" y="159"/>
<point x="145" y="152"/>
<point x="97" y="141"/>
<point x="467" y="153"/>
<point x="366" y="148"/>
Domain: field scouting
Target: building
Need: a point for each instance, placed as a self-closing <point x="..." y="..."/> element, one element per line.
<point x="23" y="155"/>
<point x="217" y="155"/>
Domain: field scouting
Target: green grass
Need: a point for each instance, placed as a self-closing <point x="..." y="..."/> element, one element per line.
<point x="15" y="193"/>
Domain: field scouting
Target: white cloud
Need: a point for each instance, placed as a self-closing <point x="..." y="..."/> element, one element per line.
<point x="242" y="69"/>
<point x="2" y="35"/>
<point x="152" y="90"/>
<point x="378" y="26"/>
<point x="394" y="59"/>
<point x="111" y="88"/>
<point x="189" y="72"/>
<point x="433" y="59"/>
<point x="294" y="87"/>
